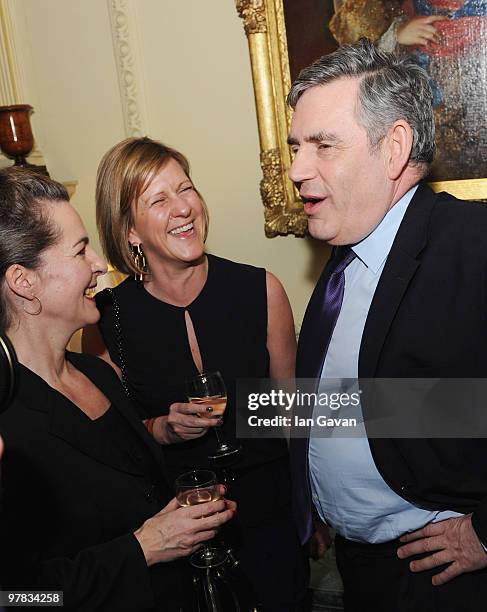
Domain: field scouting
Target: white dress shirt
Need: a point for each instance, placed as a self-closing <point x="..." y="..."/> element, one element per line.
<point x="347" y="489"/>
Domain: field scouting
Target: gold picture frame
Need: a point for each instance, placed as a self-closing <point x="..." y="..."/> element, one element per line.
<point x="265" y="28"/>
<point x="266" y="33"/>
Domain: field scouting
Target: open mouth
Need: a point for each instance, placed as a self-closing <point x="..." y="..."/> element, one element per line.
<point x="183" y="231"/>
<point x="90" y="292"/>
<point x="310" y="203"/>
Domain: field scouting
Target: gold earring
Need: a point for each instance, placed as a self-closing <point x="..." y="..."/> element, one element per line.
<point x="39" y="308"/>
<point x="139" y="260"/>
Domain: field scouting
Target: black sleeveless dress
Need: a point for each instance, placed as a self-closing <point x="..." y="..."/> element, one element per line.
<point x="230" y="322"/>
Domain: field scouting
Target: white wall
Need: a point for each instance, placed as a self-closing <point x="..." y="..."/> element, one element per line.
<point x="69" y="71"/>
<point x="194" y="74"/>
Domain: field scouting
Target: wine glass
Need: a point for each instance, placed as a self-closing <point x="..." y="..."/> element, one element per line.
<point x="200" y="487"/>
<point x="208" y="389"/>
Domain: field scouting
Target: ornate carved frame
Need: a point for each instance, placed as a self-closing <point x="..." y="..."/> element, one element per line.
<point x="266" y="33"/>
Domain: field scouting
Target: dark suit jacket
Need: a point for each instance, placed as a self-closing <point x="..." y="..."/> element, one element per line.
<point x="71" y="502"/>
<point x="428" y="319"/>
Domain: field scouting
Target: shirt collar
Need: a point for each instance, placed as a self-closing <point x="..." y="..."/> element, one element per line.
<point x="374" y="249"/>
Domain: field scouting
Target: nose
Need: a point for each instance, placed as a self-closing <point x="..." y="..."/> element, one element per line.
<point x="98" y="264"/>
<point x="180" y="207"/>
<point x="302" y="167"/>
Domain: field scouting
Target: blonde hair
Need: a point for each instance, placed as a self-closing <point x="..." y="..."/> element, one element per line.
<point x="124" y="173"/>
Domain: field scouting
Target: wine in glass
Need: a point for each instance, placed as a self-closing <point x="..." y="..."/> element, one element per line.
<point x="200" y="487"/>
<point x="208" y="389"/>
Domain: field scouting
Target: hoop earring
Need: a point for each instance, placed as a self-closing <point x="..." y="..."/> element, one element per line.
<point x="139" y="260"/>
<point x="38" y="309"/>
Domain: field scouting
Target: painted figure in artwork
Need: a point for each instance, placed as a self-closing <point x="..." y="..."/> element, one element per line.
<point x="449" y="39"/>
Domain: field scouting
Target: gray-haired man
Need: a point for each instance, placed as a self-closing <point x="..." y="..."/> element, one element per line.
<point x="407" y="300"/>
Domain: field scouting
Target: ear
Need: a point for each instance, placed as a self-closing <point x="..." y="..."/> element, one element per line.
<point x="133" y="237"/>
<point x="399" y="143"/>
<point x="21" y="281"/>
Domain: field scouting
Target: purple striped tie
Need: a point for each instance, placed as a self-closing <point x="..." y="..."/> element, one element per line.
<point x="324" y="323"/>
<point x="333" y="296"/>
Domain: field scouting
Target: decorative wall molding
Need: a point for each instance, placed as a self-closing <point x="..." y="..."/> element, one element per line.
<point x="9" y="71"/>
<point x="123" y="22"/>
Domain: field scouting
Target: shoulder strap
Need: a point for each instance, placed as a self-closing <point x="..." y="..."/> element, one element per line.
<point x="119" y="340"/>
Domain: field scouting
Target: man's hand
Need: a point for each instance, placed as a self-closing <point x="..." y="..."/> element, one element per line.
<point x="320" y="540"/>
<point x="451" y="541"/>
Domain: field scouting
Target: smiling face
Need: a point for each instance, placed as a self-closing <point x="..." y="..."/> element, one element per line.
<point x="68" y="272"/>
<point x="168" y="218"/>
<point x="343" y="184"/>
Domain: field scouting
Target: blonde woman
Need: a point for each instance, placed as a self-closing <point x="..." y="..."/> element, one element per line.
<point x="192" y="311"/>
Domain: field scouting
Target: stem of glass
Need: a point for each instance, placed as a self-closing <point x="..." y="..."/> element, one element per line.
<point x="218" y="435"/>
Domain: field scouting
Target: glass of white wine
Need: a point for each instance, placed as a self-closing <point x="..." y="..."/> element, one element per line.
<point x="208" y="389"/>
<point x="199" y="487"/>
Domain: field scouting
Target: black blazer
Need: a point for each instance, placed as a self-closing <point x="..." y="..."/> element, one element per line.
<point x="428" y="319"/>
<point x="71" y="503"/>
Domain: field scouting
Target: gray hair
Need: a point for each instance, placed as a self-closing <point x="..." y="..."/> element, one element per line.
<point x="26" y="229"/>
<point x="390" y="88"/>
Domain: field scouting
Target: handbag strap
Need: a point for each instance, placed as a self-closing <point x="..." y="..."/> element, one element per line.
<point x="119" y="340"/>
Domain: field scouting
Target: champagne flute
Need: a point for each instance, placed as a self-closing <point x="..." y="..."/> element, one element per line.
<point x="200" y="487"/>
<point x="208" y="389"/>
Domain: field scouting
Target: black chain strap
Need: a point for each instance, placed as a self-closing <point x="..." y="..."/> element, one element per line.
<point x="119" y="340"/>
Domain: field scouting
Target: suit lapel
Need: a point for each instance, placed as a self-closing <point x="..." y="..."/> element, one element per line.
<point x="70" y="424"/>
<point x="67" y="422"/>
<point x="114" y="391"/>
<point x="309" y="362"/>
<point x="310" y="353"/>
<point x="400" y="267"/>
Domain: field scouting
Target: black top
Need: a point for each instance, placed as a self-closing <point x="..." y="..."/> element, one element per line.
<point x="73" y="498"/>
<point x="115" y="431"/>
<point x="230" y="321"/>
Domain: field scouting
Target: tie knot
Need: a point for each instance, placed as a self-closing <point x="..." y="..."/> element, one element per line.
<point x="343" y="256"/>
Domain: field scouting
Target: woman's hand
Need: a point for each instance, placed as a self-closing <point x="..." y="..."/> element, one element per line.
<point x="184" y="422"/>
<point x="418" y="31"/>
<point x="189" y="421"/>
<point x="177" y="532"/>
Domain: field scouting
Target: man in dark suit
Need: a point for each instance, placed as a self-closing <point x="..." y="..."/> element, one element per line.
<point x="404" y="296"/>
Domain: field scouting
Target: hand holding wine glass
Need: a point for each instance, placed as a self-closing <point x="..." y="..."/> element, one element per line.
<point x="187" y="421"/>
<point x="208" y="390"/>
<point x="177" y="531"/>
